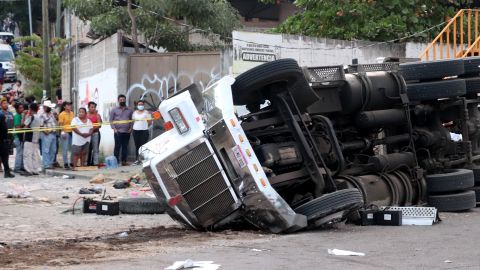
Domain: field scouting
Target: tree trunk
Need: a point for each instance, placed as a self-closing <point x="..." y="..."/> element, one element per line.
<point x="134" y="26"/>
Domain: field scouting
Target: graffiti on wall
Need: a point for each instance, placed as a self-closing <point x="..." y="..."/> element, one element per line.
<point x="153" y="89"/>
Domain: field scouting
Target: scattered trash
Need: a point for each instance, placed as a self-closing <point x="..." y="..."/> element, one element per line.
<point x="65" y="197"/>
<point x="256" y="249"/>
<point x="17" y="191"/>
<point x="135" y="179"/>
<point x="133" y="194"/>
<point x="98" y="179"/>
<point x="189" y="264"/>
<point x="111" y="162"/>
<point x="98" y="189"/>
<point x="121" y="184"/>
<point x="68" y="176"/>
<point x="339" y="252"/>
<point x="447" y="261"/>
<point x="123" y="234"/>
<point x="86" y="191"/>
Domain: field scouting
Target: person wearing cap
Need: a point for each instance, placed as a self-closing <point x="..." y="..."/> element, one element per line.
<point x="48" y="136"/>
<point x="65" y="119"/>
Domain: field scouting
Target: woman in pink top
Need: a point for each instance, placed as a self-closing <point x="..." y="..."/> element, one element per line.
<point x="96" y="120"/>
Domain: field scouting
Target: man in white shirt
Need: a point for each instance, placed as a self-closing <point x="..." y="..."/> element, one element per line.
<point x="82" y="132"/>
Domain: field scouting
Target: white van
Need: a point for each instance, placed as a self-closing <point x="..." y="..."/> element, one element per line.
<point x="6" y="35"/>
<point x="7" y="58"/>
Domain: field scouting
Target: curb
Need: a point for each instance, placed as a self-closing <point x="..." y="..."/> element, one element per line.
<point x="70" y="174"/>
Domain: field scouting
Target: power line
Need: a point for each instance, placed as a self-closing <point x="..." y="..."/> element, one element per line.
<point x="294" y="48"/>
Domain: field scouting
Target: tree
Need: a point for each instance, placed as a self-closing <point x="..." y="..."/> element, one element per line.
<point x="374" y="20"/>
<point x="156" y="19"/>
<point x="30" y="62"/>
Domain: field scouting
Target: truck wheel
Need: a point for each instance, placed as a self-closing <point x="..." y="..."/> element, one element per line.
<point x="436" y="90"/>
<point x="453" y="202"/>
<point x="452" y="180"/>
<point x="477" y="193"/>
<point x="346" y="199"/>
<point x="141" y="206"/>
<point x="428" y="70"/>
<point x="471" y="65"/>
<point x="248" y="85"/>
<point x="472" y="85"/>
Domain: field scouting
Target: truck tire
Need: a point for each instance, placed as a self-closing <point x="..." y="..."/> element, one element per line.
<point x="345" y="199"/>
<point x="453" y="202"/>
<point x="451" y="180"/>
<point x="248" y="85"/>
<point x="436" y="90"/>
<point x="471" y="65"/>
<point x="472" y="85"/>
<point x="477" y="193"/>
<point x="141" y="206"/>
<point x="428" y="70"/>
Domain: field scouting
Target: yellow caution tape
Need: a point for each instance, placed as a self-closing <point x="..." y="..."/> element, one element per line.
<point x="40" y="129"/>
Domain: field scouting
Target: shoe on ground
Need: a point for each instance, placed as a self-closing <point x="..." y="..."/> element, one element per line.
<point x="17" y="171"/>
<point x="124" y="163"/>
<point x="35" y="173"/>
<point x="137" y="162"/>
<point x="9" y="175"/>
<point x="66" y="166"/>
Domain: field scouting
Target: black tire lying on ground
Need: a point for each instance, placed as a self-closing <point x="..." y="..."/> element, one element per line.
<point x="453" y="202"/>
<point x="471" y="65"/>
<point x="141" y="206"/>
<point x="345" y="199"/>
<point x="472" y="85"/>
<point x="428" y="70"/>
<point x="451" y="180"/>
<point x="248" y="85"/>
<point x="477" y="193"/>
<point x="436" y="90"/>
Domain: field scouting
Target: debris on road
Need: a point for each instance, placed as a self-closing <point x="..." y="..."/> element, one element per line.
<point x="189" y="264"/>
<point x="121" y="184"/>
<point x="339" y="252"/>
<point x="447" y="261"/>
<point x="98" y="179"/>
<point x="17" y="191"/>
<point x="68" y="176"/>
<point x="123" y="234"/>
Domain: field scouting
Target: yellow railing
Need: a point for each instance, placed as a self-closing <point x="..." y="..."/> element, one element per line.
<point x="459" y="38"/>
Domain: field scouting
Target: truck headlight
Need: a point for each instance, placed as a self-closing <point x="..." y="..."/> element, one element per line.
<point x="180" y="122"/>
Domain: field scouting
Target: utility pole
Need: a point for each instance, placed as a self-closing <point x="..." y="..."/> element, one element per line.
<point x="59" y="18"/>
<point x="46" y="43"/>
<point x="30" y="17"/>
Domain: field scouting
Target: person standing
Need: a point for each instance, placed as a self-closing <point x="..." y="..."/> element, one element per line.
<point x="6" y="119"/>
<point x="142" y="121"/>
<point x="121" y="130"/>
<point x="18" y="138"/>
<point x="2" y="74"/>
<point x="96" y="120"/>
<point x="82" y="132"/>
<point x="65" y="119"/>
<point x="48" y="136"/>
<point x="31" y="150"/>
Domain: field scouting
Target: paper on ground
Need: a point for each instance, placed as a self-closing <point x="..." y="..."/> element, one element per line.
<point x="200" y="265"/>
<point x="340" y="252"/>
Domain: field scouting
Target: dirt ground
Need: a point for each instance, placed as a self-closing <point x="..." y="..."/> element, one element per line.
<point x="35" y="233"/>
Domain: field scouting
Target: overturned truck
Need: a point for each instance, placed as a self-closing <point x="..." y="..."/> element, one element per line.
<point x="318" y="144"/>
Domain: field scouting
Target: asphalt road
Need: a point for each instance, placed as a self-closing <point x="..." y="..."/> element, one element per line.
<point x="451" y="244"/>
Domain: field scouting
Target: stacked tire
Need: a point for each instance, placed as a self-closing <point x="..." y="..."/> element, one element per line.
<point x="450" y="191"/>
<point x="432" y="80"/>
<point x="476" y="188"/>
<point x="471" y="76"/>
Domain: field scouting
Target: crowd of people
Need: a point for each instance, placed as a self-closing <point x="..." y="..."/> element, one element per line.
<point x="39" y="128"/>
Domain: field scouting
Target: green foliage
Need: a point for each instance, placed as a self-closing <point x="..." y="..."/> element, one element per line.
<point x="30" y="62"/>
<point x="215" y="16"/>
<point x="375" y="20"/>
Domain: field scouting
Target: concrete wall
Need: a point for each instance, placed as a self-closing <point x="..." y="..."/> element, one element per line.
<point x="251" y="49"/>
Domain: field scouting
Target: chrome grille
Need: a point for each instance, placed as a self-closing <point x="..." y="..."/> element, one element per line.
<point x="203" y="185"/>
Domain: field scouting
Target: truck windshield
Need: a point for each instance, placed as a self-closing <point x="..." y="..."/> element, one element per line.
<point x="218" y="101"/>
<point x="6" y="56"/>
